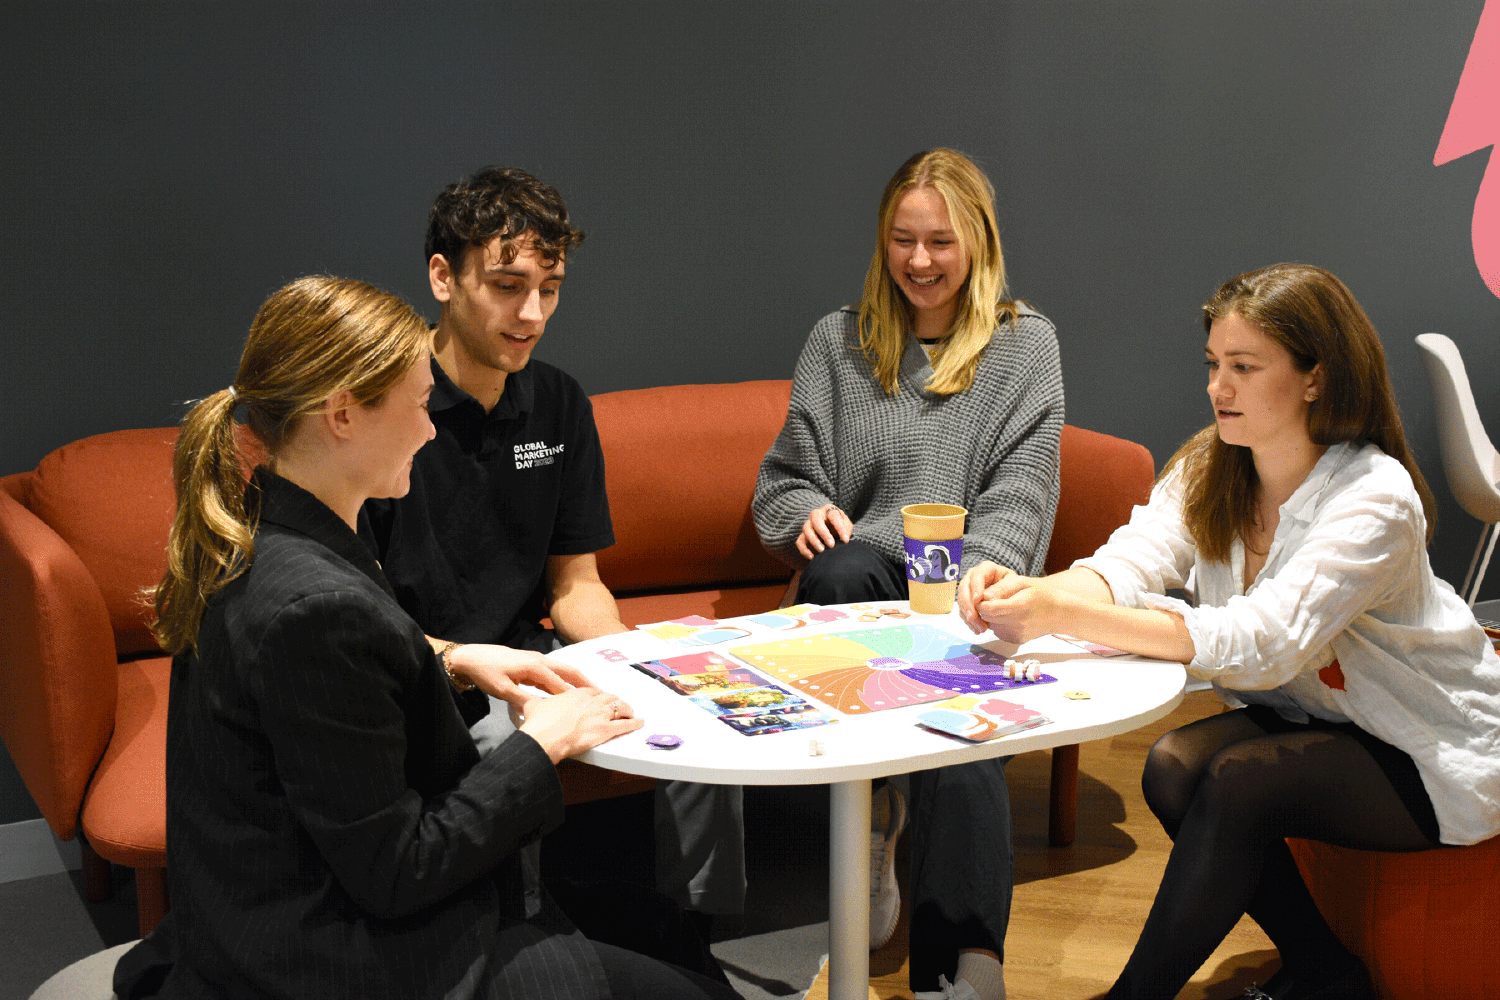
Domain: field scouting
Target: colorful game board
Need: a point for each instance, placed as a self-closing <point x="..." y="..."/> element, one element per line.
<point x="875" y="669"/>
<point x="740" y="698"/>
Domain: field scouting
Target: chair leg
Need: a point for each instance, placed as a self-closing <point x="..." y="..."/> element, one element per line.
<point x="790" y="595"/>
<point x="1062" y="813"/>
<point x="1479" y="578"/>
<point x="1486" y="547"/>
<point x="97" y="886"/>
<point x="151" y="897"/>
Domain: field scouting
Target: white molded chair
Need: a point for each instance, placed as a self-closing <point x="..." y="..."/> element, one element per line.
<point x="1469" y="459"/>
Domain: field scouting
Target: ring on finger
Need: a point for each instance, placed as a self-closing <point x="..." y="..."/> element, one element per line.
<point x="614" y="709"/>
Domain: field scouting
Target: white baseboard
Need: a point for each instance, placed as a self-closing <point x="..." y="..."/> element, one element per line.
<point x="29" y="849"/>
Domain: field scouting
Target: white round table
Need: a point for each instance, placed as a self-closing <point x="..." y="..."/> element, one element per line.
<point x="1125" y="692"/>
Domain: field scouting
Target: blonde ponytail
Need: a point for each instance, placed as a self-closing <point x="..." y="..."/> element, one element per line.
<point x="213" y="534"/>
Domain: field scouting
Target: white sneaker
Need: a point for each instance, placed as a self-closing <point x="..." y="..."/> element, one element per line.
<point x="885" y="896"/>
<point x="960" y="990"/>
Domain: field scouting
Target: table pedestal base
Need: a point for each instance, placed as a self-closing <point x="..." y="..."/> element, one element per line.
<point x="849" y="891"/>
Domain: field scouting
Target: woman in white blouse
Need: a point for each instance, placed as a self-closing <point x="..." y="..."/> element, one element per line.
<point x="1369" y="699"/>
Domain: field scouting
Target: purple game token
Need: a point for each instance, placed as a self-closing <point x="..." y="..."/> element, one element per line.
<point x="664" y="741"/>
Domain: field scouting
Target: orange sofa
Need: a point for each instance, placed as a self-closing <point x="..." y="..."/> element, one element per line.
<point x="83" y="686"/>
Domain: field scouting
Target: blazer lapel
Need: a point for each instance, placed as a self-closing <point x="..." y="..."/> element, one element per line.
<point x="287" y="505"/>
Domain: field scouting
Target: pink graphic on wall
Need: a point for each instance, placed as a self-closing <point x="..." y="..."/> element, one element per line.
<point x="1474" y="123"/>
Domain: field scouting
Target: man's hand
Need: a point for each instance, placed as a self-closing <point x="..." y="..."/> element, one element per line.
<point x="818" y="531"/>
<point x="580" y="604"/>
<point x="500" y="671"/>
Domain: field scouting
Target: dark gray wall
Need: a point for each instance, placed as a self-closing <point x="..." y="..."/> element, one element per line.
<point x="165" y="168"/>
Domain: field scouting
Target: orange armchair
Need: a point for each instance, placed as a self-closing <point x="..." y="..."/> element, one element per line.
<point x="83" y="685"/>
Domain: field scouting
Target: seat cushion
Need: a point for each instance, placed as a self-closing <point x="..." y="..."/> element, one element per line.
<point x="586" y="783"/>
<point x="1426" y="924"/>
<point x="725" y="602"/>
<point x="125" y="810"/>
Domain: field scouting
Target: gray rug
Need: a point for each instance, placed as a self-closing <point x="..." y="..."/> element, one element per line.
<point x="774" y="965"/>
<point x="44" y="926"/>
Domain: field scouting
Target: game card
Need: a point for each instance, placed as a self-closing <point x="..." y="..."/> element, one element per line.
<point x="980" y="718"/>
<point x="778" y="720"/>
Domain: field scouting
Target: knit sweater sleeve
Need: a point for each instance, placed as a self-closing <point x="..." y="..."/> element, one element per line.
<point x="800" y="471"/>
<point x="1010" y="519"/>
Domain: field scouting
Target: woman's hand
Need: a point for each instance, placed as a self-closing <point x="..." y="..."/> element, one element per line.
<point x="579" y="719"/>
<point x="1020" y="608"/>
<point x="500" y="671"/>
<point x="1016" y="608"/>
<point x="820" y="529"/>
<point x="971" y="591"/>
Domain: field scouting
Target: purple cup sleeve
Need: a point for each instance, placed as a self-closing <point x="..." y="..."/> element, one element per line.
<point x="933" y="562"/>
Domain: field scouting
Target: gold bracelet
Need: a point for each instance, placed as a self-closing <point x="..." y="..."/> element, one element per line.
<point x="458" y="682"/>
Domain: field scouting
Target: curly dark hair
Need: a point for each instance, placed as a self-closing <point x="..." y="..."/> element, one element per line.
<point x="503" y="202"/>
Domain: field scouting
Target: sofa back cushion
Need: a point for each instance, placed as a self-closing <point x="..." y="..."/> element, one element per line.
<point x="680" y="465"/>
<point x="110" y="498"/>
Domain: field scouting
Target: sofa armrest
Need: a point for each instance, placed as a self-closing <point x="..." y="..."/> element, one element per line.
<point x="58" y="669"/>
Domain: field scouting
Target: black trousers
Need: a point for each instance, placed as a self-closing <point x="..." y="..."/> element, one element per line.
<point x="631" y="975"/>
<point x="962" y="856"/>
<point x="637" y="920"/>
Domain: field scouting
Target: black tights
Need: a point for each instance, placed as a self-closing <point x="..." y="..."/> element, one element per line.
<point x="1228" y="789"/>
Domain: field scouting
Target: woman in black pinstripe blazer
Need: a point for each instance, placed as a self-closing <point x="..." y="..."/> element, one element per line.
<point x="332" y="830"/>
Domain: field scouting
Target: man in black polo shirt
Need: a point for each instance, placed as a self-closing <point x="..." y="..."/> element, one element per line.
<point x="507" y="504"/>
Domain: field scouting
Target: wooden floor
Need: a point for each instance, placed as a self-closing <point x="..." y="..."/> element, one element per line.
<point x="1078" y="909"/>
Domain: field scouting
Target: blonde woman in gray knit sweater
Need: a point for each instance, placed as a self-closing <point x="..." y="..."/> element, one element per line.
<point x="937" y="389"/>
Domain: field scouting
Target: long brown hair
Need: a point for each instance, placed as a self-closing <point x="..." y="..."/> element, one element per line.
<point x="310" y="340"/>
<point x="884" y="313"/>
<point x="1316" y="319"/>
